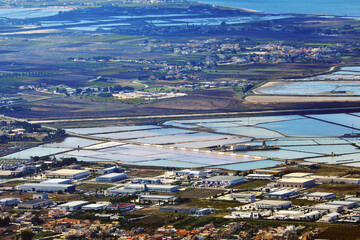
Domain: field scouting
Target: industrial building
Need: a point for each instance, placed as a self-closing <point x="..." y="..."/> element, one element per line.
<point x="282" y="194"/>
<point x="327" y="208"/>
<point x="157" y="199"/>
<point x="121" y="192"/>
<point x="123" y="207"/>
<point x="68" y="174"/>
<point x="297" y="175"/>
<point x="336" y="180"/>
<point x="147" y="180"/>
<point x="46" y="187"/>
<point x="74" y="205"/>
<point x="271" y="204"/>
<point x="344" y="204"/>
<point x="153" y="187"/>
<point x="275" y="172"/>
<point x="36" y="203"/>
<point x="223" y="180"/>
<point x="353" y="199"/>
<point x="111" y="177"/>
<point x="330" y="217"/>
<point x="195" y="173"/>
<point x="175" y="209"/>
<point x="204" y="211"/>
<point x="95" y="206"/>
<point x="243" y="197"/>
<point x="40" y="196"/>
<point x="296" y="182"/>
<point x="57" y="181"/>
<point x="267" y="177"/>
<point x="112" y="169"/>
<point x="9" y="201"/>
<point x="320" y="196"/>
<point x="288" y="215"/>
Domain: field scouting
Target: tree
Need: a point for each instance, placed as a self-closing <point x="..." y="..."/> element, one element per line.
<point x="27" y="235"/>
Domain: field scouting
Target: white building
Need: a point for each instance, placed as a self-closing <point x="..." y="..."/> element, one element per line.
<point x="344" y="204"/>
<point x="282" y="194"/>
<point x="320" y="196"/>
<point x="157" y="199"/>
<point x="298" y="175"/>
<point x="223" y="180"/>
<point x="327" y="208"/>
<point x="96" y="206"/>
<point x="243" y="197"/>
<point x="9" y="201"/>
<point x="330" y="217"/>
<point x="74" y="205"/>
<point x="266" y="177"/>
<point x="68" y="174"/>
<point x="271" y="204"/>
<point x="153" y="187"/>
<point x="245" y="215"/>
<point x="111" y="177"/>
<point x="296" y="182"/>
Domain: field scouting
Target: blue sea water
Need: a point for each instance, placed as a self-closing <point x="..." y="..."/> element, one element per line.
<point x="326" y="7"/>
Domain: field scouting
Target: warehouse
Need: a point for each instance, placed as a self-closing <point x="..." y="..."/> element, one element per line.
<point x="223" y="180"/>
<point x="58" y="181"/>
<point x="298" y="175"/>
<point x="74" y="205"/>
<point x="184" y="209"/>
<point x="243" y="197"/>
<point x="123" y="207"/>
<point x="204" y="211"/>
<point x="9" y="201"/>
<point x="344" y="204"/>
<point x="157" y="199"/>
<point x="95" y="206"/>
<point x="36" y="203"/>
<point x="109" y="170"/>
<point x="267" y="177"/>
<point x="320" y="196"/>
<point x="275" y="172"/>
<point x="327" y="208"/>
<point x="111" y="177"/>
<point x="288" y="215"/>
<point x="330" y="217"/>
<point x="336" y="180"/>
<point x="41" y="187"/>
<point x="271" y="204"/>
<point x="296" y="182"/>
<point x="353" y="199"/>
<point x="147" y="180"/>
<point x="282" y="194"/>
<point x="68" y="174"/>
<point x="194" y="173"/>
<point x="153" y="187"/>
<point x="121" y="192"/>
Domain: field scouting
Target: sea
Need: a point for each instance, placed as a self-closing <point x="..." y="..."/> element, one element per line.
<point x="322" y="7"/>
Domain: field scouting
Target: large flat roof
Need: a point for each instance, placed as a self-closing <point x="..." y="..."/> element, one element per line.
<point x="320" y="194"/>
<point x="223" y="178"/>
<point x="110" y="175"/>
<point x="273" y="202"/>
<point x="297" y="175"/>
<point x="74" y="203"/>
<point x="296" y="180"/>
<point x="67" y="172"/>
